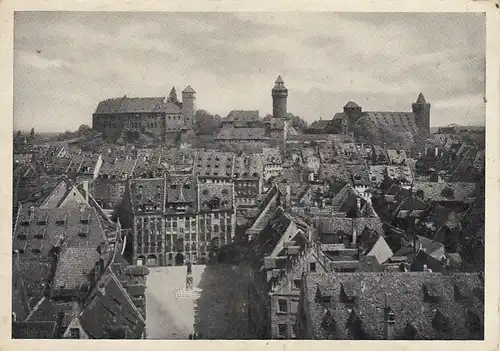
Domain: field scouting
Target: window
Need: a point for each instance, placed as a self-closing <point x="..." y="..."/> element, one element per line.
<point x="296" y="284"/>
<point x="282" y="331"/>
<point x="312" y="266"/>
<point x="216" y="228"/>
<point x="282" y="306"/>
<point x="75" y="333"/>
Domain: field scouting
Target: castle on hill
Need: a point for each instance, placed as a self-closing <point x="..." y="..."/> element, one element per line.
<point x="416" y="123"/>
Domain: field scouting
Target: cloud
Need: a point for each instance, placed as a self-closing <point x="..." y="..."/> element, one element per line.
<point x="382" y="61"/>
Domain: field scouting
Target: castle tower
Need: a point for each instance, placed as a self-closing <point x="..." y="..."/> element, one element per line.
<point x="422" y="111"/>
<point x="279" y="94"/>
<point x="188" y="105"/>
<point x="353" y="112"/>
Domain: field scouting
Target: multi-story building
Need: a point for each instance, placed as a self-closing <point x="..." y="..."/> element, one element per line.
<point x="159" y="116"/>
<point x="147" y="200"/>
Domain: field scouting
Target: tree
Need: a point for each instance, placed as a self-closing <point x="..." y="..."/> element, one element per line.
<point x="83" y="129"/>
<point x="297" y="123"/>
<point x="206" y="123"/>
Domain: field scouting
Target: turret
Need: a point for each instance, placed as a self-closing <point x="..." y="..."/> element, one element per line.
<point x="279" y="94"/>
<point x="353" y="111"/>
<point x="188" y="105"/>
<point x="422" y="111"/>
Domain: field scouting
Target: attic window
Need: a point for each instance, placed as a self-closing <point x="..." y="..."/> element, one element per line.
<point x="43" y="219"/>
<point x="328" y="322"/>
<point x="84" y="231"/>
<point x="23" y="235"/>
<point x="431" y="292"/>
<point x="61" y="218"/>
<point x="440" y="321"/>
<point x="41" y="234"/>
<point x="347" y="294"/>
<point x="85" y="218"/>
<point x="37" y="247"/>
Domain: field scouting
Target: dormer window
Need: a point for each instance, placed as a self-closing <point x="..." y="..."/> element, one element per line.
<point x="84" y="231"/>
<point x="37" y="247"/>
<point x="61" y="219"/>
<point x="43" y="219"/>
<point x="41" y="234"/>
<point x="347" y="293"/>
<point x="431" y="292"/>
<point x="85" y="217"/>
<point x="440" y="321"/>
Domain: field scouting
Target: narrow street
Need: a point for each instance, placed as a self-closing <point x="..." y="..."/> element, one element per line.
<point x="219" y="312"/>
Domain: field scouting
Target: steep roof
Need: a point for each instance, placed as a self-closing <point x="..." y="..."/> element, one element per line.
<point x="410" y="296"/>
<point x="229" y="133"/>
<point x="243" y="115"/>
<point x="74" y="268"/>
<point x="137" y="105"/>
<point x="214" y="164"/>
<point x="279" y="79"/>
<point x="396" y="121"/>
<point x="421" y="99"/>
<point x="381" y="251"/>
<point x="148" y="194"/>
<point x="188" y="89"/>
<point x="209" y="192"/>
<point x="36" y="235"/>
<point x="109" y="311"/>
<point x="456" y="191"/>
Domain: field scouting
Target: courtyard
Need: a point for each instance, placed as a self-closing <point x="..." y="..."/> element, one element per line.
<point x="217" y="311"/>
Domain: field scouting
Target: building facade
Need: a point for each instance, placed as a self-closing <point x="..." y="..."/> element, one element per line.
<point x="156" y="116"/>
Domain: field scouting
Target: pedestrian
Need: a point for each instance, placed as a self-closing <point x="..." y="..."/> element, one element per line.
<point x="190" y="336"/>
<point x="194" y="336"/>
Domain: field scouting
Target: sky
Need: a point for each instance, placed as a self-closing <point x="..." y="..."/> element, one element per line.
<point x="66" y="62"/>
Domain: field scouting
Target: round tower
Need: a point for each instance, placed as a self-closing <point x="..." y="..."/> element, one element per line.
<point x="279" y="94"/>
<point x="188" y="105"/>
<point x="422" y="111"/>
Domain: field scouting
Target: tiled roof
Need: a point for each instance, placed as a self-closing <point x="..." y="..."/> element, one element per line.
<point x="110" y="313"/>
<point x="457" y="191"/>
<point x="116" y="168"/>
<point x="243" y="115"/>
<point x="148" y="195"/>
<point x="248" y="165"/>
<point x="181" y="189"/>
<point x="214" y="164"/>
<point x="74" y="268"/>
<point x="396" y="121"/>
<point x="211" y="193"/>
<point x="396" y="156"/>
<point x="47" y="228"/>
<point x="332" y="225"/>
<point x="344" y="173"/>
<point x="424" y="305"/>
<point x="137" y="105"/>
<point x="35" y="276"/>
<point x="320" y="125"/>
<point x="34" y="330"/>
<point x="229" y="133"/>
<point x="339" y="116"/>
<point x="345" y="199"/>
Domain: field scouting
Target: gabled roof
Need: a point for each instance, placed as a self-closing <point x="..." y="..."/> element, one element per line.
<point x="381" y="251"/>
<point x="109" y="311"/>
<point x="351" y="104"/>
<point x="137" y="105"/>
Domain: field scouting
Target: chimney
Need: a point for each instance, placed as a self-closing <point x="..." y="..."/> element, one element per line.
<point x="436" y="152"/>
<point x="85" y="184"/>
<point x="389" y="321"/>
<point x="354" y="232"/>
<point x="287" y="196"/>
<point x="31" y="213"/>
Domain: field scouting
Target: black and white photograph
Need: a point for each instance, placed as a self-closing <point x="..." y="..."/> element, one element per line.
<point x="264" y="175"/>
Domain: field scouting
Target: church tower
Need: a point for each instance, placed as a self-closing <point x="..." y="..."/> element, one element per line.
<point x="279" y="94"/>
<point x="188" y="106"/>
<point x="422" y="111"/>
